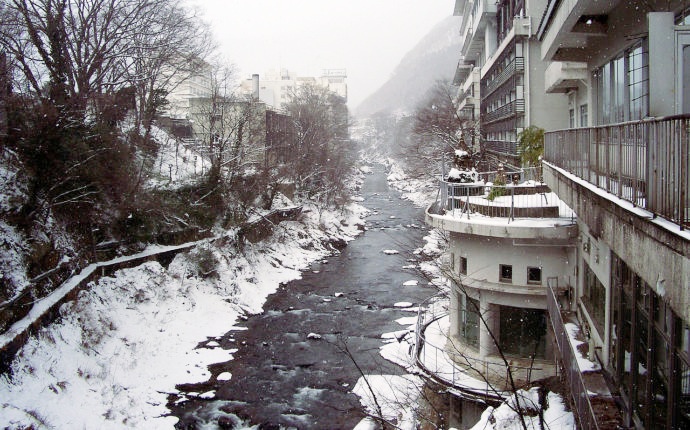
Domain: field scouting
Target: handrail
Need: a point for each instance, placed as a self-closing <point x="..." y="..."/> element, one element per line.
<point x="505" y="111"/>
<point x="500" y="201"/>
<point x="643" y="162"/>
<point x="432" y="310"/>
<point x="582" y="405"/>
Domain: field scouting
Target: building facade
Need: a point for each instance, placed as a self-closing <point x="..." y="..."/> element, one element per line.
<point x="276" y="87"/>
<point x="500" y="73"/>
<point x="610" y="82"/>
<point x="622" y="165"/>
<point x="506" y="242"/>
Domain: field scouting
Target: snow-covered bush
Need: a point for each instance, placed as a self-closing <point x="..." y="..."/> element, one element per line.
<point x="462" y="176"/>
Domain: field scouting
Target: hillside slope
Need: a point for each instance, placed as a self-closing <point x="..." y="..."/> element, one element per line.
<point x="433" y="58"/>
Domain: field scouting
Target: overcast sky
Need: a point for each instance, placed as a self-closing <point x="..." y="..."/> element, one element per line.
<point x="366" y="37"/>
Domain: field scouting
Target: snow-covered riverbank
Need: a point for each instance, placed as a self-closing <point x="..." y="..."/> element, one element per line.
<point x="118" y="351"/>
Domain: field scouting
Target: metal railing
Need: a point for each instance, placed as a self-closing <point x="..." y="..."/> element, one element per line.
<point x="434" y="360"/>
<point x="571" y="369"/>
<point x="643" y="162"/>
<point x="517" y="65"/>
<point x="505" y="111"/>
<point x="501" y="201"/>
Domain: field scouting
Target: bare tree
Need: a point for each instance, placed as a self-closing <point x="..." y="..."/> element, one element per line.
<point x="322" y="155"/>
<point x="230" y="125"/>
<point x="81" y="48"/>
<point x="172" y="50"/>
<point x="75" y="63"/>
<point x="437" y="132"/>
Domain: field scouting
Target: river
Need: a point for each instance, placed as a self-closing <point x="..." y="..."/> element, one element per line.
<point x="282" y="378"/>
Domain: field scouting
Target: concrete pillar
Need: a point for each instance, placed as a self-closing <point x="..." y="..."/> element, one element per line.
<point x="490" y="42"/>
<point x="454" y="312"/>
<point x="661" y="60"/>
<point x="489" y="314"/>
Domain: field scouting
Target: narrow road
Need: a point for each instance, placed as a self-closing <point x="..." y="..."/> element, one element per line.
<point x="281" y="378"/>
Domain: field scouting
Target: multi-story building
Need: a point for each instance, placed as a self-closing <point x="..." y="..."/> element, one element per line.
<point x="505" y="243"/>
<point x="184" y="89"/>
<point x="623" y="166"/>
<point x="276" y="87"/>
<point x="500" y="74"/>
<point x="617" y="85"/>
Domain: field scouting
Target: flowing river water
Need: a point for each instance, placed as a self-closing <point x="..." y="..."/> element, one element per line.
<point x="281" y="378"/>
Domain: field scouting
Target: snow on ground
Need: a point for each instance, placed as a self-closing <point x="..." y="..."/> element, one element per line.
<point x="421" y="192"/>
<point x="583" y="363"/>
<point x="176" y="163"/>
<point x="117" y="351"/>
<point x="505" y="417"/>
<point x="391" y="397"/>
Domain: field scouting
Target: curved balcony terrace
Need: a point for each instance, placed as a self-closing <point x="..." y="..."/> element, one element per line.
<point x="527" y="209"/>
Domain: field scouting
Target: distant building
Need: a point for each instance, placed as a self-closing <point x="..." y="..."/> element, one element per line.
<point x="184" y="89"/>
<point x="276" y="86"/>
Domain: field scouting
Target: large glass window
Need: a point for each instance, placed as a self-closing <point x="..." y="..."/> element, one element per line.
<point x="523" y="332"/>
<point x="650" y="357"/>
<point x="638" y="83"/>
<point x="623" y="87"/>
<point x="469" y="320"/>
<point x="594" y="298"/>
<point x="584" y="121"/>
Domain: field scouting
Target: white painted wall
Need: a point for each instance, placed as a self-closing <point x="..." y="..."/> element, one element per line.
<point x="484" y="254"/>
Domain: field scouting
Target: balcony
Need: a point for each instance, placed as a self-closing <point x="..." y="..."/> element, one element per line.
<point x="462" y="71"/>
<point x="454" y="365"/>
<point x="644" y="162"/>
<point x="482" y="12"/>
<point x="561" y="76"/>
<point x="517" y="65"/>
<point x="508" y="110"/>
<point x="478" y="199"/>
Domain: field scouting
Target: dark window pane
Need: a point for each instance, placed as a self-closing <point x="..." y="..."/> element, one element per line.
<point x="522" y="331"/>
<point x="505" y="273"/>
<point x="534" y="275"/>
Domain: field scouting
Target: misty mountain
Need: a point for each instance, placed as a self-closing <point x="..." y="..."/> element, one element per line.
<point x="434" y="57"/>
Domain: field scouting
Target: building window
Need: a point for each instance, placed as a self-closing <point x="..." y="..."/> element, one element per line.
<point x="522" y="332"/>
<point x="623" y="87"/>
<point x="584" y="120"/>
<point x="649" y="357"/>
<point x="452" y="261"/>
<point x="463" y="265"/>
<point x="534" y="275"/>
<point x="571" y="114"/>
<point x="505" y="273"/>
<point x="594" y="298"/>
<point x="469" y="320"/>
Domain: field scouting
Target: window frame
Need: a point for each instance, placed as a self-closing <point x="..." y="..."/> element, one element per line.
<point x="462" y="267"/>
<point x="501" y="278"/>
<point x="532" y="282"/>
